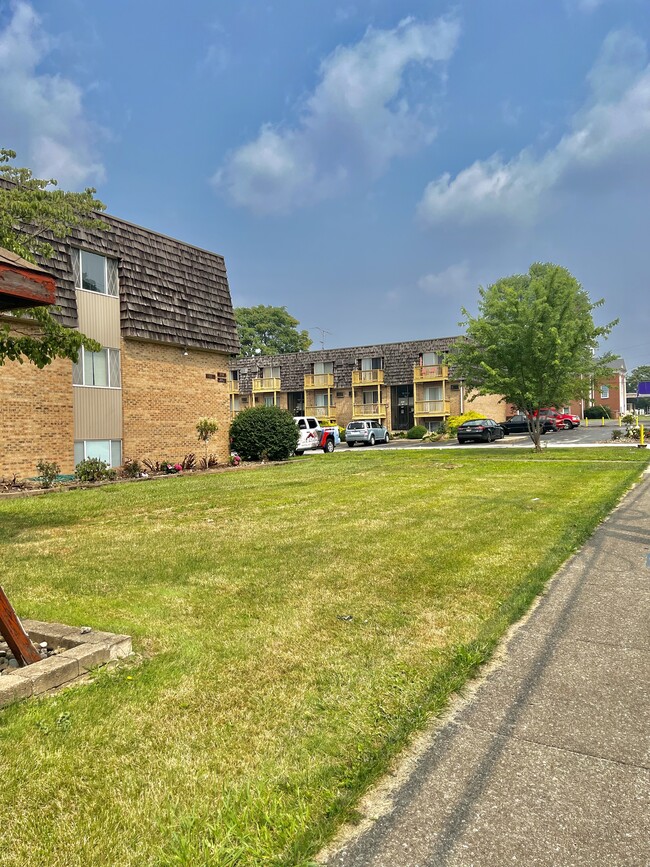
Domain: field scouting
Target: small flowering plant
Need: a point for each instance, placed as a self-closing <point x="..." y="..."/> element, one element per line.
<point x="169" y="468"/>
<point x="235" y="460"/>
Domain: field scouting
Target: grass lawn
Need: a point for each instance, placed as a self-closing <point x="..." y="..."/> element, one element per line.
<point x="259" y="710"/>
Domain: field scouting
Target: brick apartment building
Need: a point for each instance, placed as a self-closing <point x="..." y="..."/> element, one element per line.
<point x="162" y="312"/>
<point x="399" y="384"/>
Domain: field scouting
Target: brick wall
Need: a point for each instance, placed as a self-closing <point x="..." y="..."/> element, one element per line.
<point x="164" y="394"/>
<point x="36" y="419"/>
<point x="489" y="405"/>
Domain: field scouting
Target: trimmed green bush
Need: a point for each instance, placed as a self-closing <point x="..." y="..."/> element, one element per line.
<point x="93" y="470"/>
<point x="47" y="472"/>
<point x="455" y="421"/>
<point x="597" y="412"/>
<point x="264" y="432"/>
<point x="416" y="432"/>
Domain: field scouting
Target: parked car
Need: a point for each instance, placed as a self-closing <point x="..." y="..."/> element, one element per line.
<point x="479" y="430"/>
<point x="519" y="424"/>
<point x="313" y="436"/>
<point x="365" y="432"/>
<point x="563" y="419"/>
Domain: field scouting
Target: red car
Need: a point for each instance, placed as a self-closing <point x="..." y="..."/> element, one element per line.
<point x="563" y="419"/>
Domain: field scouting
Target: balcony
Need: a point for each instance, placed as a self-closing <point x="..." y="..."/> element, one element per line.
<point x="319" y="380"/>
<point x="233" y="386"/>
<point x="367" y="377"/>
<point x="431" y="407"/>
<point x="321" y="412"/>
<point x="262" y="383"/>
<point x="430" y="373"/>
<point x="369" y="410"/>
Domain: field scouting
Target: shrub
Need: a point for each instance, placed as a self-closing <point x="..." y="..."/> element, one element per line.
<point x="93" y="470"/>
<point x="189" y="461"/>
<point x="597" y="412"/>
<point x="47" y="472"/>
<point x="152" y="466"/>
<point x="628" y="418"/>
<point x="208" y="462"/>
<point x="416" y="432"/>
<point x="206" y="428"/>
<point x="617" y="434"/>
<point x="455" y="421"/>
<point x="264" y="432"/>
<point x="131" y="469"/>
<point x="170" y="468"/>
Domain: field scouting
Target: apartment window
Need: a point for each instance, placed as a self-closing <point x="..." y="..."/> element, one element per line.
<point x="234" y="375"/>
<point x="268" y="400"/>
<point x="604" y="392"/>
<point x="430" y="359"/>
<point x="109" y="451"/>
<point x="433" y="392"/>
<point x="94" y="273"/>
<point x="99" y="369"/>
<point x="320" y="400"/>
<point x="271" y="372"/>
<point x="372" y="364"/>
<point x="370" y="397"/>
<point x="321" y="367"/>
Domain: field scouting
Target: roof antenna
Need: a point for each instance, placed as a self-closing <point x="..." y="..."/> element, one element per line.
<point x="323" y="332"/>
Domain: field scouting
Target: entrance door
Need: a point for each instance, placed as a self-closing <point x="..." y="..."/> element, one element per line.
<point x="401" y="401"/>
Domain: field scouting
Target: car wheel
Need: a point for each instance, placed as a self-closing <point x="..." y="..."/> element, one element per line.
<point x="488" y="436"/>
<point x="568" y="425"/>
<point x="371" y="441"/>
<point x="387" y="437"/>
<point x="328" y="448"/>
<point x="350" y="445"/>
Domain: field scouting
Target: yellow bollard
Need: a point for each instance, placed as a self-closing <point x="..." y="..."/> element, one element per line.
<point x="641" y="437"/>
<point x="602" y="421"/>
<point x="586" y="422"/>
<point x="620" y="423"/>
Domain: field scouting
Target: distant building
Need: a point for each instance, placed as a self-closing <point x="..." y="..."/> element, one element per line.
<point x="162" y="311"/>
<point x="610" y="392"/>
<point x="399" y="384"/>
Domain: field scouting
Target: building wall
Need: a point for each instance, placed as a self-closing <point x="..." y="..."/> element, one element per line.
<point x="164" y="394"/>
<point x="36" y="418"/>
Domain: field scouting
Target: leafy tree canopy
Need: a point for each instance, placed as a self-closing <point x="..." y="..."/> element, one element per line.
<point x="639" y="374"/>
<point x="533" y="341"/>
<point x="266" y="330"/>
<point x="31" y="211"/>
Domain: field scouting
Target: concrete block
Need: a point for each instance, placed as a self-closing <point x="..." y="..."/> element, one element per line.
<point x="50" y="673"/>
<point x="13" y="688"/>
<point x="88" y="655"/>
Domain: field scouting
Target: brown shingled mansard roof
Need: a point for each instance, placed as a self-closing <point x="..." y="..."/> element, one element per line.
<point x="170" y="291"/>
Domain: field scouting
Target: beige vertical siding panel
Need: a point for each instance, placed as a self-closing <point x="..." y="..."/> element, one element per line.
<point x="99" y="317"/>
<point x="97" y="413"/>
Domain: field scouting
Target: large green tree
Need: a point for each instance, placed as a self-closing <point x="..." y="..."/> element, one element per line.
<point x="32" y="211"/>
<point x="533" y="342"/>
<point x="639" y="374"/>
<point x="266" y="330"/>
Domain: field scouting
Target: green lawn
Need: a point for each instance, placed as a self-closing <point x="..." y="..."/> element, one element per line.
<point x="258" y="711"/>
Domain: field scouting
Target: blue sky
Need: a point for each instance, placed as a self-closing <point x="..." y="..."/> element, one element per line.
<point x="365" y="164"/>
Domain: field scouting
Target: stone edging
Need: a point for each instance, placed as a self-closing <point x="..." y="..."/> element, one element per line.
<point x="83" y="651"/>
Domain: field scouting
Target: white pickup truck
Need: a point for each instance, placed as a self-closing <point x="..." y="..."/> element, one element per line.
<point x="314" y="436"/>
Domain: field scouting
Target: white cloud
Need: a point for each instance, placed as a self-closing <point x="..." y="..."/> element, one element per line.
<point x="453" y="282"/>
<point x="42" y="114"/>
<point x="362" y="114"/>
<point x="614" y="126"/>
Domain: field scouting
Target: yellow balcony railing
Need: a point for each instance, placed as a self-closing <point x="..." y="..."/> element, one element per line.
<point x="430" y="372"/>
<point x="431" y="407"/>
<point x="367" y="377"/>
<point x="266" y="383"/>
<point x="233" y="386"/>
<point x="319" y="380"/>
<point x="321" y="412"/>
<point x="369" y="410"/>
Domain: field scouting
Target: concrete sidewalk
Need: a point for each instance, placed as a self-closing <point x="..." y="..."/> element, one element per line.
<point x="549" y="762"/>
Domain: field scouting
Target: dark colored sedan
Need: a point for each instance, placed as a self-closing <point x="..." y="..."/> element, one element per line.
<point x="519" y="424"/>
<point x="482" y="430"/>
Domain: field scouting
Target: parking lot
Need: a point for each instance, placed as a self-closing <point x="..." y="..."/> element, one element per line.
<point x="595" y="434"/>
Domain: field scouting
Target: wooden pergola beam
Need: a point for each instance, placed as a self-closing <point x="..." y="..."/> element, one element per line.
<point x="13" y="633"/>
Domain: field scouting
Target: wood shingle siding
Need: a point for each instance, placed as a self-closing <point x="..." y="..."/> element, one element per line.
<point x="399" y="360"/>
<point x="170" y="292"/>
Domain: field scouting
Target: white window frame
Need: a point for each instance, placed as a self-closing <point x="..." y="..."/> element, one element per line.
<point x="604" y="392"/>
<point x="111" y="286"/>
<point x="81" y="364"/>
<point x="110" y="450"/>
